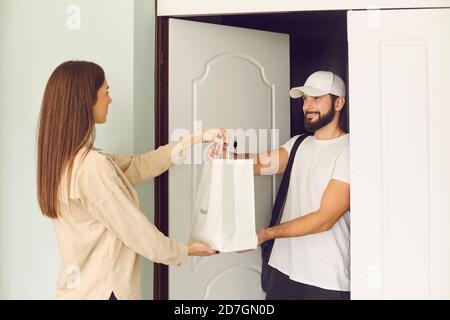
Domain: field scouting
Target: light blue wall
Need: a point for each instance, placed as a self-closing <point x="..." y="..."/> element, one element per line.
<point x="34" y="39"/>
<point x="144" y="48"/>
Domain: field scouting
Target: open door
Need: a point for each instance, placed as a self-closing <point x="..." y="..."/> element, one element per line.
<point x="399" y="71"/>
<point x="234" y="78"/>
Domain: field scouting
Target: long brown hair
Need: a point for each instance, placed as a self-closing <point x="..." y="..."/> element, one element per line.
<point x="66" y="124"/>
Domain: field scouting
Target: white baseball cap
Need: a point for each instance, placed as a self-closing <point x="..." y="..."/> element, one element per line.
<point x="320" y="83"/>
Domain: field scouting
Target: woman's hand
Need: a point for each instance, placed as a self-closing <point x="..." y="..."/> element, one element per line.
<point x="205" y="136"/>
<point x="219" y="149"/>
<point x="210" y="134"/>
<point x="200" y="250"/>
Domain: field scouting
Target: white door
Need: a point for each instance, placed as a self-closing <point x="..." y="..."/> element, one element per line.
<point x="399" y="71"/>
<point x="232" y="78"/>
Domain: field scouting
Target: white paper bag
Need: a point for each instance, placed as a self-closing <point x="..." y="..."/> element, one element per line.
<point x="225" y="206"/>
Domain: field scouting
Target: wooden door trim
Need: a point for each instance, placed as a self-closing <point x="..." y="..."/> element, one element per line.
<point x="161" y="272"/>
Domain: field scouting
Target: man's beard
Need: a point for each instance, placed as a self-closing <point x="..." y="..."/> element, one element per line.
<point x="322" y="122"/>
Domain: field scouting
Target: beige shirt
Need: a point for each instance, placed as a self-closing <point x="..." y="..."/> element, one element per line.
<point x="101" y="231"/>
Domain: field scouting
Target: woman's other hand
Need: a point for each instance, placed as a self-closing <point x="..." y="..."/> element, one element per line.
<point x="200" y="250"/>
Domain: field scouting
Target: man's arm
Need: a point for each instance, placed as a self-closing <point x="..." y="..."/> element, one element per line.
<point x="266" y="163"/>
<point x="335" y="202"/>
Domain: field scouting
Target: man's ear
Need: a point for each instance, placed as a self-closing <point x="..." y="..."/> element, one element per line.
<point x="339" y="103"/>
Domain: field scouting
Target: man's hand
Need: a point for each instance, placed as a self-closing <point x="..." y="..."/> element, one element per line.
<point x="263" y="236"/>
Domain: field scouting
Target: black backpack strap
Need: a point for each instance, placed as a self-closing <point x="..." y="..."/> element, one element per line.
<point x="284" y="186"/>
<point x="266" y="247"/>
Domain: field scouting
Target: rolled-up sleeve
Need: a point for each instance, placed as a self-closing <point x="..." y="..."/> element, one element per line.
<point x="142" y="167"/>
<point x="341" y="169"/>
<point x="102" y="193"/>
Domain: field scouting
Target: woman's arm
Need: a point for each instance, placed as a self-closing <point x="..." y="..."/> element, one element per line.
<point x="142" y="167"/>
<point x="104" y="197"/>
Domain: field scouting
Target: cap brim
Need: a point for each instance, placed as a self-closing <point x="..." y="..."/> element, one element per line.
<point x="298" y="92"/>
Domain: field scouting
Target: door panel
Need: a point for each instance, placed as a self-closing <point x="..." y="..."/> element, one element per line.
<point x="236" y="79"/>
<point x="399" y="74"/>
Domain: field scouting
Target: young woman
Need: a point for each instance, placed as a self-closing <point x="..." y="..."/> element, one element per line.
<point x="89" y="194"/>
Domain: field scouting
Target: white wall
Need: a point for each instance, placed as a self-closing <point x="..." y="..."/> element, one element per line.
<point x="35" y="36"/>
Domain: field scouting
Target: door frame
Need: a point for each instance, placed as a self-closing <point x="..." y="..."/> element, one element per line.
<point x="161" y="138"/>
<point x="175" y="8"/>
<point x="161" y="191"/>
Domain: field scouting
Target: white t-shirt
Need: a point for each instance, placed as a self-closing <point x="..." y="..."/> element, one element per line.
<point x="321" y="259"/>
